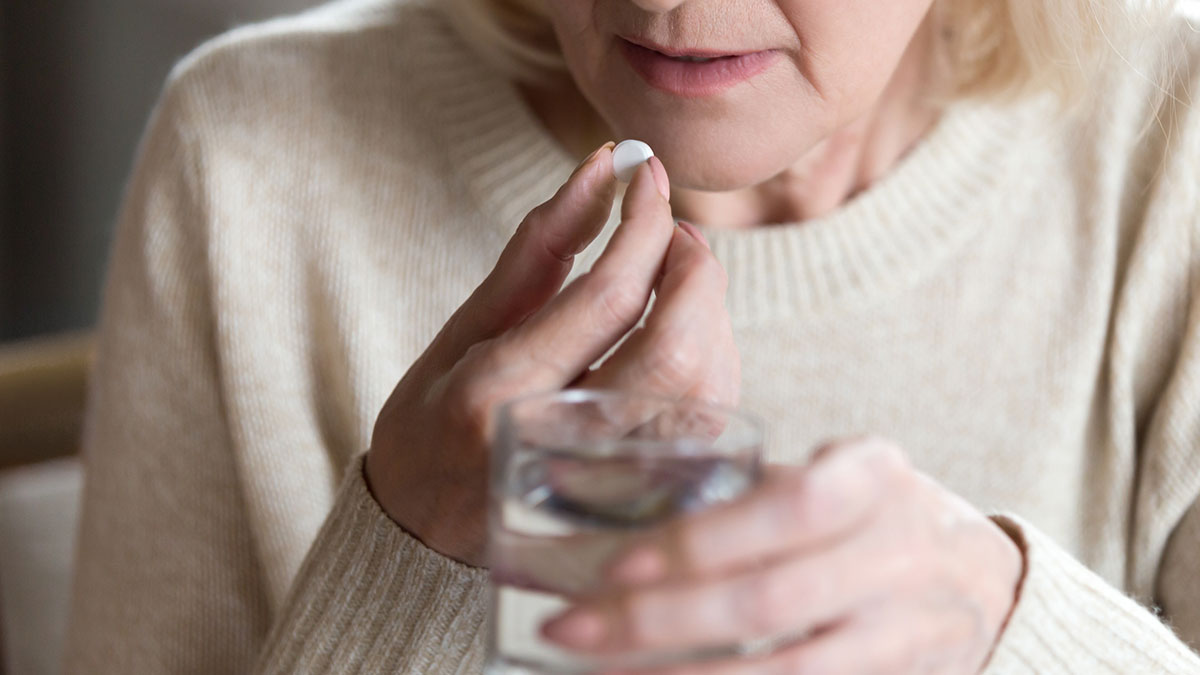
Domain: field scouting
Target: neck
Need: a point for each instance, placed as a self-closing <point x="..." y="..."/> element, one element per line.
<point x="828" y="176"/>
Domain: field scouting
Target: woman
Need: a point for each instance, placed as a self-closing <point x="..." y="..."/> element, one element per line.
<point x="967" y="226"/>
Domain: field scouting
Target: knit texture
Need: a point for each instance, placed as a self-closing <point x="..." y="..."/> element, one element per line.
<point x="1015" y="303"/>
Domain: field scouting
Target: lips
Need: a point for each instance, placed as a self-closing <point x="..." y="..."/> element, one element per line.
<point x="694" y="73"/>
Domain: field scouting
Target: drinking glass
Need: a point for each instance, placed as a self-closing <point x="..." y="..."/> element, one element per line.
<point x="577" y="477"/>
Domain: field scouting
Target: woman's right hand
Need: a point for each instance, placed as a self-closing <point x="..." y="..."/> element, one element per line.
<point x="518" y="334"/>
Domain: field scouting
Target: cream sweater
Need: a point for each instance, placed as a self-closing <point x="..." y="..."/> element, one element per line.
<point x="1017" y="303"/>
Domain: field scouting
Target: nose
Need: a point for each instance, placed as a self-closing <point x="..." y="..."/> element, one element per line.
<point x="658" y="6"/>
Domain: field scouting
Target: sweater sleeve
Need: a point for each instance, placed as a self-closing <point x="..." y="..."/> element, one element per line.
<point x="1067" y="619"/>
<point x="168" y="575"/>
<point x="165" y="576"/>
<point x="370" y="598"/>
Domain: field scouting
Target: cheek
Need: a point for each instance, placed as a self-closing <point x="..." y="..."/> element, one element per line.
<point x="579" y="35"/>
<point x="587" y="48"/>
<point x="849" y="48"/>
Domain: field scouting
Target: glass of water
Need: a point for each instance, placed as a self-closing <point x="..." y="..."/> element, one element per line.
<point x="579" y="476"/>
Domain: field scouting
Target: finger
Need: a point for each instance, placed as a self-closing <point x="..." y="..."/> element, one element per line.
<point x="797" y="509"/>
<point x="568" y="334"/>
<point x="791" y="597"/>
<point x="538" y="258"/>
<point x="685" y="333"/>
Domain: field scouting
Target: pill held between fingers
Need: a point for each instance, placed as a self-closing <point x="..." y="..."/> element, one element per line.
<point x="628" y="156"/>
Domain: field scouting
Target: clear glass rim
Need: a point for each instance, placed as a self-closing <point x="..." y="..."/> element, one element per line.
<point x="576" y="396"/>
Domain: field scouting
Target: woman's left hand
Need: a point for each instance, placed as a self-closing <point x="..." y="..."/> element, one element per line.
<point x="868" y="566"/>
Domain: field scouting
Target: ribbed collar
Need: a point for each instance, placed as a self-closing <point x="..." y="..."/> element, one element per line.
<point x="886" y="238"/>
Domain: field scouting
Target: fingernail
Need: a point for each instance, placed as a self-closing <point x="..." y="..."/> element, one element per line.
<point x="595" y="153"/>
<point x="660" y="177"/>
<point x="640" y="566"/>
<point x="578" y="628"/>
<point x="695" y="232"/>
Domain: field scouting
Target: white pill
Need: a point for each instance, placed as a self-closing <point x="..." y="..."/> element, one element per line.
<point x="628" y="156"/>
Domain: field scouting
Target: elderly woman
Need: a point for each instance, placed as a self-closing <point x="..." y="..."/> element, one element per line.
<point x="971" y="227"/>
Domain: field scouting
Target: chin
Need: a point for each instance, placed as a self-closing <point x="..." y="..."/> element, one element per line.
<point x="701" y="162"/>
<point x="724" y="154"/>
<point x="711" y="174"/>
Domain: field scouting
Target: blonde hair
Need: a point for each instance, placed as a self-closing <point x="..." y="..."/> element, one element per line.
<point x="993" y="48"/>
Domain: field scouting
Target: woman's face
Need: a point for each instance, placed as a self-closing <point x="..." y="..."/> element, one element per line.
<point x="789" y="74"/>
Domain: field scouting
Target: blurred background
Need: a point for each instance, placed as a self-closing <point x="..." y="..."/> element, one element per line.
<point x="78" y="79"/>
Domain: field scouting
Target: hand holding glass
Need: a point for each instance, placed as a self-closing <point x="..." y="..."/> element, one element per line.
<point x="580" y="476"/>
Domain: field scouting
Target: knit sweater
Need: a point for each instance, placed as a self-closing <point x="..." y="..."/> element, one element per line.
<point x="1016" y="303"/>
